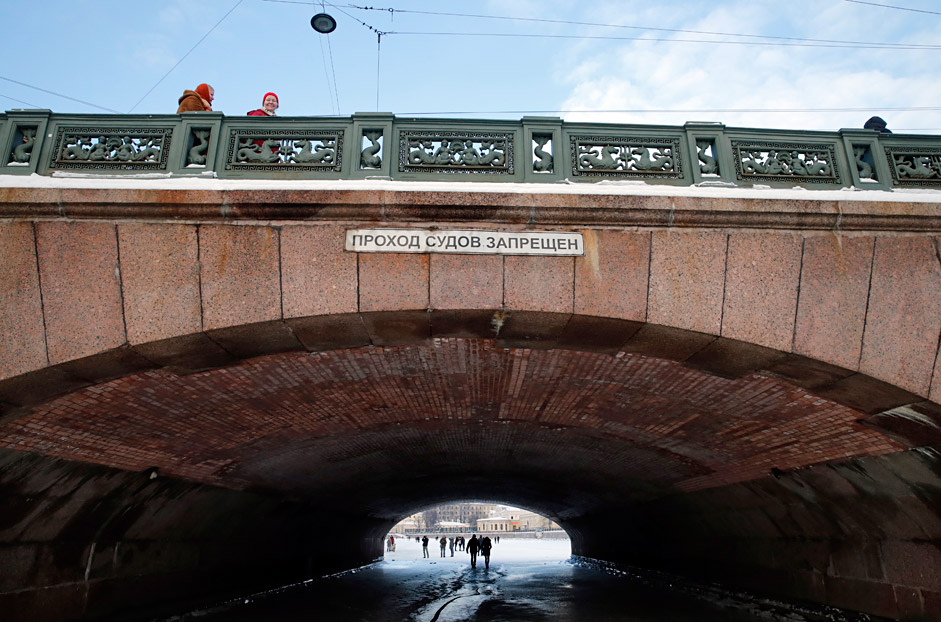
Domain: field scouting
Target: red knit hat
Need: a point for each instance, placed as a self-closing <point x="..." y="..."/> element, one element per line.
<point x="203" y="91"/>
<point x="266" y="97"/>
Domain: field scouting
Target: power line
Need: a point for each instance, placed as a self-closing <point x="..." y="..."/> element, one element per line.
<point x="19" y="101"/>
<point x="59" y="95"/>
<point x="203" y="38"/>
<point x="653" y="28"/>
<point x="684" y="111"/>
<point x="868" y="46"/>
<point x="890" y="6"/>
<point x="333" y="71"/>
<point x="326" y="75"/>
<point x="832" y="42"/>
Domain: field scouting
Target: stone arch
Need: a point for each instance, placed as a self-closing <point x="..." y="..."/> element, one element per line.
<point x="832" y="337"/>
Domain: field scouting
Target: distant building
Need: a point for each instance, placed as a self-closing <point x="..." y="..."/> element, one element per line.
<point x="467" y="517"/>
<point x="497" y="524"/>
<point x="515" y="519"/>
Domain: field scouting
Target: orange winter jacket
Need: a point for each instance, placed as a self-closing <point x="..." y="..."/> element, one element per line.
<point x="190" y="101"/>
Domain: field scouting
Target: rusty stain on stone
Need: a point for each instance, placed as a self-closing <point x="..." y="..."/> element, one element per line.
<point x="591" y="252"/>
<point x="499" y="317"/>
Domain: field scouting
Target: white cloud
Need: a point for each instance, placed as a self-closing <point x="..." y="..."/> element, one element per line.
<point x="650" y="76"/>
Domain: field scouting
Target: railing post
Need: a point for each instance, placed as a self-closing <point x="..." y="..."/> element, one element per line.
<point x="866" y="159"/>
<point x="196" y="143"/>
<point x="543" y="150"/>
<point x="372" y="145"/>
<point x="22" y="137"/>
<point x="709" y="153"/>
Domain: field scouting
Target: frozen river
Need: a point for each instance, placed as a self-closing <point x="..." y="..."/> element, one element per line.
<point x="528" y="580"/>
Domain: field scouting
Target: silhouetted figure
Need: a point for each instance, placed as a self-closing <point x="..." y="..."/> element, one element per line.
<point x="451" y="545"/>
<point x="424" y="546"/>
<point x="485" y="546"/>
<point x="444" y="544"/>
<point x="472" y="547"/>
<point x="878" y="124"/>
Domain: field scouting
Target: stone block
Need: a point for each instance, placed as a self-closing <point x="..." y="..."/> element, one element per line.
<point x="910" y="604"/>
<point x="762" y="274"/>
<point x="687" y="279"/>
<point x="330" y="332"/>
<point x="834" y="291"/>
<point x="256" y="339"/>
<point x="730" y="358"/>
<point x="596" y="334"/>
<point x="531" y="329"/>
<point x="935" y="395"/>
<point x="856" y="560"/>
<point x="915" y="564"/>
<point x="465" y="323"/>
<point x="239" y="275"/>
<point x="665" y="342"/>
<point x="160" y="280"/>
<point x="107" y="365"/>
<point x="866" y="394"/>
<point x="931" y="601"/>
<point x="78" y="268"/>
<point x="867" y="596"/>
<point x="611" y="278"/>
<point x="395" y="328"/>
<point x="187" y="354"/>
<point x="392" y="282"/>
<point x="36" y="387"/>
<point x="466" y="281"/>
<point x="807" y="372"/>
<point x="46" y="604"/>
<point x="22" y="335"/>
<point x="318" y="276"/>
<point x="541" y="284"/>
<point x="900" y="344"/>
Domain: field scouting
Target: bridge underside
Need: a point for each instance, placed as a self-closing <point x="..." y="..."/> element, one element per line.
<point x="648" y="445"/>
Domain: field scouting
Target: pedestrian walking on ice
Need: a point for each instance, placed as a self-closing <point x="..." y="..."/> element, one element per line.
<point x="485" y="546"/>
<point x="472" y="547"/>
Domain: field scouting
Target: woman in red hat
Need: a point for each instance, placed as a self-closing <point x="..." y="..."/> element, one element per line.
<point x="269" y="103"/>
<point x="199" y="100"/>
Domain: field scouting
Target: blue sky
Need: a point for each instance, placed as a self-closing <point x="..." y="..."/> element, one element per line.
<point x="588" y="60"/>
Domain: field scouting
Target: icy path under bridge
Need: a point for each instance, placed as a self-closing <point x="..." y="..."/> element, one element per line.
<point x="528" y="580"/>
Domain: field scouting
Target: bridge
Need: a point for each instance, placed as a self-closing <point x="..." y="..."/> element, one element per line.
<point x="236" y="351"/>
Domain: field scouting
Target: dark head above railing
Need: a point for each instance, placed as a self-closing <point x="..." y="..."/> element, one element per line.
<point x="534" y="149"/>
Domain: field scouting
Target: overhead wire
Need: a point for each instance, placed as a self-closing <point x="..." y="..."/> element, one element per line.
<point x="681" y="110"/>
<point x="624" y="26"/>
<point x="333" y="67"/>
<point x="873" y="46"/>
<point x="19" y="101"/>
<point x="333" y="73"/>
<point x="379" y="34"/>
<point x="326" y="74"/>
<point x="80" y="101"/>
<point x="177" y="64"/>
<point x="892" y="6"/>
<point x="761" y="40"/>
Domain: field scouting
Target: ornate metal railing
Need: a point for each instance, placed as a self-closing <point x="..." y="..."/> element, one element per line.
<point x="534" y="149"/>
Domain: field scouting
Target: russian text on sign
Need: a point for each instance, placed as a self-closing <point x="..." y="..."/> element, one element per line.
<point x="553" y="243"/>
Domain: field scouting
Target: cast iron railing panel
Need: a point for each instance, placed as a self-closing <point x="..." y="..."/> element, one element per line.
<point x="533" y="149"/>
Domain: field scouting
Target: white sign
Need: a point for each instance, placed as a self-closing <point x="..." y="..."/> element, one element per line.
<point x="465" y="242"/>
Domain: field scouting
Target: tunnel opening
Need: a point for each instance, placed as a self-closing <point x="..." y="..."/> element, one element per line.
<point x="445" y="530"/>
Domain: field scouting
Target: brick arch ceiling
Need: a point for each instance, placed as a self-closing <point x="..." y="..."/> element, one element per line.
<point x="382" y="430"/>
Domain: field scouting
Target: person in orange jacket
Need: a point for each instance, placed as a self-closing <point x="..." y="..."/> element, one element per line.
<point x="198" y="100"/>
